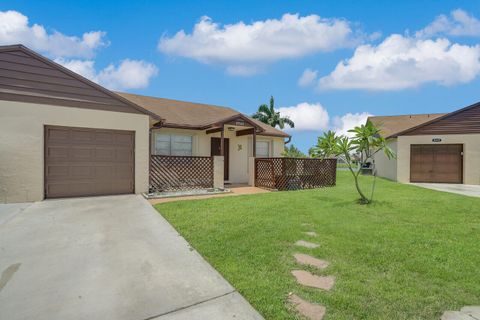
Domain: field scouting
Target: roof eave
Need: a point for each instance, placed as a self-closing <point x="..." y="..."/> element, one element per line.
<point x="404" y="132"/>
<point x="16" y="47"/>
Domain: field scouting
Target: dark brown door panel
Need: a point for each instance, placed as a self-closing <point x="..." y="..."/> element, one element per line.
<point x="436" y="163"/>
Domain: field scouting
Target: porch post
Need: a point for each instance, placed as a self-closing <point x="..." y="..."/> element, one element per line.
<point x="222" y="141"/>
<point x="150" y="142"/>
<point x="251" y="171"/>
<point x="218" y="172"/>
<point x="254" y="151"/>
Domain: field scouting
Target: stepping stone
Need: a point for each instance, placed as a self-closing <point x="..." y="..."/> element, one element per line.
<point x="473" y="311"/>
<point x="311" y="233"/>
<point x="307" y="309"/>
<point x="470" y="309"/>
<point x="310" y="261"/>
<point x="456" y="315"/>
<point x="306" y="244"/>
<point x="310" y="280"/>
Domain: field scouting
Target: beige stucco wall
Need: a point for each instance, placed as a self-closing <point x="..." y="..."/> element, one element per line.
<point x="471" y="154"/>
<point x="385" y="167"/>
<point x="22" y="144"/>
<point x="240" y="149"/>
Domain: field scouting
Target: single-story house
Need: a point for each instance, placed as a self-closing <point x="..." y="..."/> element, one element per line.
<point x="194" y="129"/>
<point x="434" y="148"/>
<point x="63" y="135"/>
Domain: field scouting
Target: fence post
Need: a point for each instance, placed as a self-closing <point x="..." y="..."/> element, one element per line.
<point x="251" y="171"/>
<point x="218" y="171"/>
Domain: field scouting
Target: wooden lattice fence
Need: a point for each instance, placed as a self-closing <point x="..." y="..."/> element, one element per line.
<point x="295" y="173"/>
<point x="172" y="173"/>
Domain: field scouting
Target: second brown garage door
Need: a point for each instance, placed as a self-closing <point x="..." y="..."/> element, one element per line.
<point x="442" y="163"/>
<point x="88" y="162"/>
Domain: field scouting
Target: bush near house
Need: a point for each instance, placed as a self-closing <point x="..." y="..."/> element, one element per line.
<point x="293" y="152"/>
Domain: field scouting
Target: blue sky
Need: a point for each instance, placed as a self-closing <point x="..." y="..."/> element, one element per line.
<point x="422" y="70"/>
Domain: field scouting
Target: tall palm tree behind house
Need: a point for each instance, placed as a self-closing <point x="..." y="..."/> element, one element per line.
<point x="268" y="115"/>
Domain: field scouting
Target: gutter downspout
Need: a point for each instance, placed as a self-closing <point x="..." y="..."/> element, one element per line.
<point x="288" y="141"/>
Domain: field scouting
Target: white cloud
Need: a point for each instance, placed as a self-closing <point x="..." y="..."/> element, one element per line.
<point x="129" y="74"/>
<point x="459" y="23"/>
<point x="314" y="117"/>
<point x="261" y="41"/>
<point x="401" y="62"/>
<point x="244" y="71"/>
<point x="349" y="121"/>
<point x="307" y="78"/>
<point x="307" y="116"/>
<point x="15" y="29"/>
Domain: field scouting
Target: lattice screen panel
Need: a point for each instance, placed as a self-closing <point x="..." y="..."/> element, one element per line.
<point x="295" y="173"/>
<point x="173" y="173"/>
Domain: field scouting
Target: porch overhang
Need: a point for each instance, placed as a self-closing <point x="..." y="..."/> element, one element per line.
<point x="237" y="120"/>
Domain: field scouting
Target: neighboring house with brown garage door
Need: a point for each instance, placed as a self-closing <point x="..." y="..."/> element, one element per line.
<point x="435" y="148"/>
<point x="63" y="135"/>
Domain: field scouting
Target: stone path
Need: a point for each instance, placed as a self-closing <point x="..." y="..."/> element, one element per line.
<point x="305" y="259"/>
<point x="309" y="310"/>
<point x="310" y="280"/>
<point x="306" y="244"/>
<point x="466" y="313"/>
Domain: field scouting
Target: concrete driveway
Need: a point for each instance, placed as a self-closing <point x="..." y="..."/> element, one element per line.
<point x="463" y="189"/>
<point x="105" y="258"/>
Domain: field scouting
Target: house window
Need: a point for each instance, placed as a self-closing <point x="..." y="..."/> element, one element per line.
<point x="173" y="144"/>
<point x="263" y="149"/>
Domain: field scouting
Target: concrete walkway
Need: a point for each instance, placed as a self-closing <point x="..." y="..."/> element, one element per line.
<point x="236" y="190"/>
<point x="463" y="189"/>
<point x="105" y="258"/>
<point x="466" y="313"/>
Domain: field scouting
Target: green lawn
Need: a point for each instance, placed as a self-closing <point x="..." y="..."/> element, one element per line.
<point x="342" y="165"/>
<point x="410" y="255"/>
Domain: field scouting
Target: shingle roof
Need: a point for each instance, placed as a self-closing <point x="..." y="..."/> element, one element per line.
<point x="391" y="125"/>
<point x="191" y="115"/>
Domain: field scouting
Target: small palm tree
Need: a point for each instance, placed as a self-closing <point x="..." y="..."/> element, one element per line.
<point x="361" y="148"/>
<point x="268" y="115"/>
<point x="326" y="146"/>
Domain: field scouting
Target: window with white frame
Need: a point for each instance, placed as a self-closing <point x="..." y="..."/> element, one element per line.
<point x="263" y="149"/>
<point x="173" y="144"/>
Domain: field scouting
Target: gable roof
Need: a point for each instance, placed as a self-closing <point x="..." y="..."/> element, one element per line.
<point x="392" y="125"/>
<point x="462" y="121"/>
<point x="27" y="76"/>
<point x="189" y="115"/>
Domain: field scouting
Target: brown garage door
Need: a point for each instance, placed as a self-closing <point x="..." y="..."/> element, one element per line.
<point x="440" y="163"/>
<point x="88" y="162"/>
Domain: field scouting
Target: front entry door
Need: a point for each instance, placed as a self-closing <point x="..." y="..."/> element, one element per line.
<point x="215" y="151"/>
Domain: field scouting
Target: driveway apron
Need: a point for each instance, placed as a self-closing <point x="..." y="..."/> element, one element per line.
<point x="106" y="258"/>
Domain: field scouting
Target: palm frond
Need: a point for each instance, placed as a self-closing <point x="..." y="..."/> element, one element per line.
<point x="288" y="121"/>
<point x="264" y="109"/>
